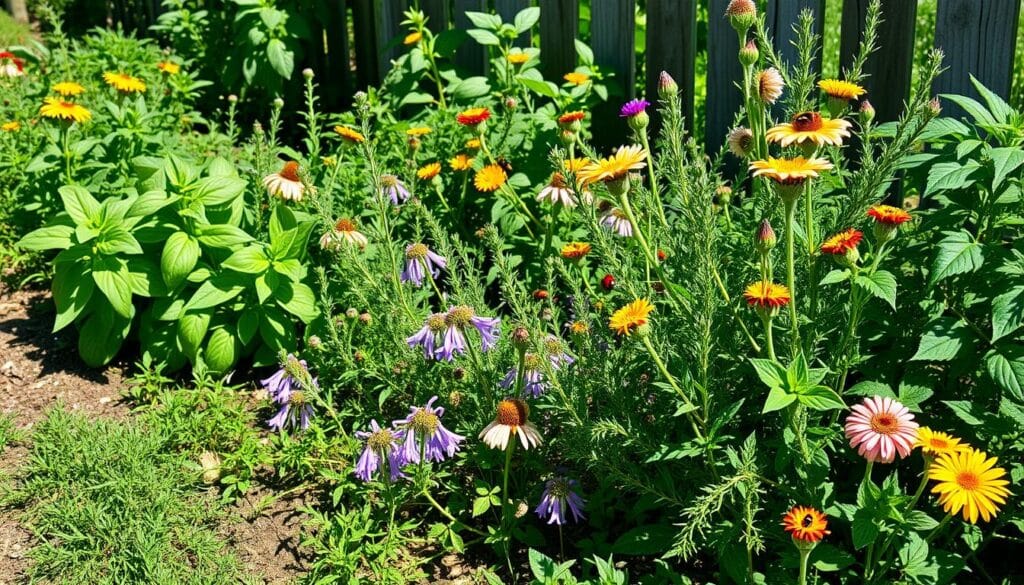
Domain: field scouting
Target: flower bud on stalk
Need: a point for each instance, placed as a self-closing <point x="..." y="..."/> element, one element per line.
<point x="723" y="195"/>
<point x="765" y="240"/>
<point x="867" y="112"/>
<point x="521" y="337"/>
<point x="742" y="15"/>
<point x="667" y="87"/>
<point x="749" y="54"/>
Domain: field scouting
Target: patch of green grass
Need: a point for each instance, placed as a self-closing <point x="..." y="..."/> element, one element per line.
<point x="11" y="32"/>
<point x="108" y="504"/>
<point x="8" y="433"/>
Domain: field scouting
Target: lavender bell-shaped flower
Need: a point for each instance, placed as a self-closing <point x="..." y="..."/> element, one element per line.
<point x="382" y="444"/>
<point x="534" y="383"/>
<point x="427" y="336"/>
<point x="559" y="500"/>
<point x="289" y="388"/>
<point x="393" y="189"/>
<point x="418" y="260"/>
<point x="458" y="319"/>
<point x="425" y="434"/>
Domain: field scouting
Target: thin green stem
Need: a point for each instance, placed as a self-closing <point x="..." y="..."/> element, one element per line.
<point x="732" y="309"/>
<point x="448" y="514"/>
<point x="433" y="282"/>
<point x="802" y="577"/>
<point x="768" y="340"/>
<point x="791" y="274"/>
<point x="652" y="260"/>
<point x="694" y="420"/>
<point x="652" y="176"/>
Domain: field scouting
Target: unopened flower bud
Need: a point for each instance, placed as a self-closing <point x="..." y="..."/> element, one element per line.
<point x="742" y="15"/>
<point x="741" y="142"/>
<point x="567" y="137"/>
<point x="359" y="98"/>
<point x="232" y="99"/>
<point x="934" y="106"/>
<point x="521" y="337"/>
<point x="723" y="195"/>
<point x="459" y="373"/>
<point x="766" y="239"/>
<point x="867" y="112"/>
<point x="749" y="54"/>
<point x="455" y="397"/>
<point x="307" y="73"/>
<point x="667" y="87"/>
<point x="314" y="342"/>
<point x="278" y="103"/>
<point x="546" y="314"/>
<point x="511" y="103"/>
<point x="365" y="319"/>
<point x="351" y="313"/>
<point x="639" y="121"/>
<point x="521" y="509"/>
<point x="414" y="143"/>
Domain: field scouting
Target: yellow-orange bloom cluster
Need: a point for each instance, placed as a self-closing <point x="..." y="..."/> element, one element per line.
<point x="767" y="295"/>
<point x="575" y="250"/>
<point x="490" y="178"/>
<point x="349" y="134"/>
<point x="429" y="171"/>
<point x="124" y="83"/>
<point x="631" y="317"/>
<point x="461" y="162"/>
<point x="576" y="78"/>
<point x="805" y="524"/>
<point x="616" y="166"/>
<point x="68" y="88"/>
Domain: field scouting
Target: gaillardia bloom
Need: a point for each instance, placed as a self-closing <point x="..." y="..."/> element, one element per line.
<point x="575" y="250"/>
<point x="168" y="67"/>
<point x="124" y="83"/>
<point x="570" y="118"/>
<point x="349" y="134"/>
<point x="616" y="166"/>
<point x="935" y="443"/>
<point x="393" y="189"/>
<point x="766" y="295"/>
<point x="56" y="109"/>
<point x="889" y="215"/>
<point x="461" y="162"/>
<point x="429" y="336"/>
<point x="457" y="321"/>
<point x="969" y="483"/>
<point x="423" y="424"/>
<point x="381" y="445"/>
<point x="576" y="78"/>
<point x="285" y="184"/>
<point x="810" y="128"/>
<point x="789" y="174"/>
<point x="805" y="524"/>
<point x="490" y="178"/>
<point x="10" y="65"/>
<point x="419" y="259"/>
<point x="511" y="421"/>
<point x="68" y="88"/>
<point x="615" y="220"/>
<point x="473" y="116"/>
<point x="630" y="317"/>
<point x="843" y="242"/>
<point x="559" y="499"/>
<point x="429" y="171"/>
<point x="345" y="232"/>
<point x="880" y="428"/>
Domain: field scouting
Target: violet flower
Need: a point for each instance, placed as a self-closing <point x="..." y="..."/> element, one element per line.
<point x="427" y="336"/>
<point x="534" y="383"/>
<point x="458" y="319"/>
<point x="393" y="189"/>
<point x="556" y="352"/>
<point x="633" y="107"/>
<point x="381" y="444"/>
<point x="294" y="413"/>
<point x="419" y="259"/>
<point x="289" y="388"/>
<point x="559" y="499"/>
<point x="425" y="433"/>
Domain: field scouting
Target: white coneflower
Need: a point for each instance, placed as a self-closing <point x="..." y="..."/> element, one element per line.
<point x="345" y="232"/>
<point x="741" y="141"/>
<point x="558" y="193"/>
<point x="285" y="184"/>
<point x="509" y="422"/>
<point x="770" y="85"/>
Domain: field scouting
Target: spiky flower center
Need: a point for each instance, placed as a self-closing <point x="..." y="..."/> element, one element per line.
<point x="388" y="181"/>
<point x="512" y="412"/>
<point x="884" y="423"/>
<point x="619" y="214"/>
<point x="558" y="181"/>
<point x="553" y="346"/>
<point x="290" y="171"/>
<point x="294" y="368"/>
<point x="437" y="322"/>
<point x="345" y="225"/>
<point x="807" y="122"/>
<point x="416" y="252"/>
<point x="559" y="488"/>
<point x="459" y="316"/>
<point x="531" y="361"/>
<point x="381" y="441"/>
<point x="968" y="480"/>
<point x="297" y="398"/>
<point x="424" y="422"/>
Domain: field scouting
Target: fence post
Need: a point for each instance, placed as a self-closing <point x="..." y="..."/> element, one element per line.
<point x="782" y="15"/>
<point x="559" y="27"/>
<point x="887" y="70"/>
<point x="334" y="43"/>
<point x="364" y="24"/>
<point x="437" y="14"/>
<point x="470" y="56"/>
<point x="18" y="10"/>
<point x="508" y="10"/>
<point x="724" y="73"/>
<point x="613" y="33"/>
<point x="389" y="19"/>
<point x="978" y="37"/>
<point x="672" y="47"/>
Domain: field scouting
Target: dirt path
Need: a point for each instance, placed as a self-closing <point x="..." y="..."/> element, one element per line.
<point x="40" y="369"/>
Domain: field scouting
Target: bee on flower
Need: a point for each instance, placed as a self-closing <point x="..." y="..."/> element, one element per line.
<point x="805" y="524"/>
<point x="286" y="183"/>
<point x="809" y="130"/>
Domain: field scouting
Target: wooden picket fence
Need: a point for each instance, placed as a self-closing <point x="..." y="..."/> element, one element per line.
<point x="978" y="37"/>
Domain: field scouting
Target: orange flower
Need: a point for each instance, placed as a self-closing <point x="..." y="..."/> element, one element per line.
<point x="632" y="316"/>
<point x="418" y="131"/>
<point x="570" y="117"/>
<point x="412" y="38"/>
<point x="842" y="242"/>
<point x="473" y="116"/>
<point x="576" y="78"/>
<point x="169" y="67"/>
<point x="889" y="215"/>
<point x="490" y="178"/>
<point x="349" y="134"/>
<point x="429" y="171"/>
<point x="461" y="162"/>
<point x="767" y="295"/>
<point x="124" y="83"/>
<point x="575" y="250"/>
<point x="518" y="58"/>
<point x="806" y="524"/>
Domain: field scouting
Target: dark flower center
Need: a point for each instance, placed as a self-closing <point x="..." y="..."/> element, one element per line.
<point x="290" y="171"/>
<point x="807" y="122"/>
<point x="512" y="412"/>
<point x="345" y="225"/>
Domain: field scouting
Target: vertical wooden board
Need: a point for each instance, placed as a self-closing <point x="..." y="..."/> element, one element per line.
<point x="367" y="48"/>
<point x="978" y="37"/>
<point x="672" y="47"/>
<point x="559" y="27"/>
<point x="337" y="75"/>
<point x="613" y="34"/>
<point x="888" y="69"/>
<point x="389" y="31"/>
<point x="780" y="18"/>
<point x="724" y="97"/>
<point x="470" y="56"/>
<point x="508" y="10"/>
<point x="437" y="14"/>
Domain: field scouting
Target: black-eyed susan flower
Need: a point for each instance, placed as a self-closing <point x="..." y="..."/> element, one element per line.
<point x="615" y="167"/>
<point x="286" y="183"/>
<point x="490" y="178"/>
<point x="969" y="484"/>
<point x="934" y="443"/>
<point x="575" y="78"/>
<point x="575" y="250"/>
<point x="57" y="109"/>
<point x="510" y="421"/>
<point x="789" y="174"/>
<point x="350" y="135"/>
<point x="429" y="171"/>
<point x="124" y="83"/>
<point x="805" y="524"/>
<point x="168" y="67"/>
<point x="68" y="88"/>
<point x="473" y="116"/>
<point x="630" y="317"/>
<point x="461" y="162"/>
<point x="810" y="129"/>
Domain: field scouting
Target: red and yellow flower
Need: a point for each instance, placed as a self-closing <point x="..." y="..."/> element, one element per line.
<point x="805" y="524"/>
<point x="473" y="116"/>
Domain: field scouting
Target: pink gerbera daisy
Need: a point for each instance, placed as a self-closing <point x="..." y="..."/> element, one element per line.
<point x="881" y="428"/>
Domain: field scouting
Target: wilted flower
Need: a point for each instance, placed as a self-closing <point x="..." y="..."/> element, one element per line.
<point x="770" y="85"/>
<point x="381" y="444"/>
<point x="881" y="428"/>
<point x="285" y="184"/>
<point x="345" y="232"/>
<point x="418" y="260"/>
<point x="425" y="433"/>
<point x="615" y="220"/>
<point x="294" y="413"/>
<point x="511" y="420"/>
<point x="288" y="388"/>
<point x="457" y="320"/>
<point x="740" y="141"/>
<point x="393" y="189"/>
<point x="560" y="498"/>
<point x="428" y="335"/>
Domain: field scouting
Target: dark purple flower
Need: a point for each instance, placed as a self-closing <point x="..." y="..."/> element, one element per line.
<point x="393" y="189"/>
<point x="428" y="334"/>
<point x="633" y="108"/>
<point x="435" y="441"/>
<point x="381" y="444"/>
<point x="458" y="319"/>
<point x="560" y="494"/>
<point x="418" y="259"/>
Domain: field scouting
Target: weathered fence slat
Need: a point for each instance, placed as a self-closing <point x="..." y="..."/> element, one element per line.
<point x="672" y="47"/>
<point x="978" y="37"/>
<point x="724" y="73"/>
<point x="782" y="16"/>
<point x="559" y="27"/>
<point x="364" y="24"/>
<point x="437" y="14"/>
<point x="613" y="37"/>
<point x="389" y="27"/>
<point x="508" y="10"/>
<point x="887" y="70"/>
<point x="470" y="56"/>
<point x="337" y="76"/>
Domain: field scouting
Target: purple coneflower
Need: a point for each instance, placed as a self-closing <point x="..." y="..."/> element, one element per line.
<point x="435" y="440"/>
<point x="457" y="320"/>
<point x="510" y="421"/>
<point x="393" y="189"/>
<point x="428" y="334"/>
<point x="419" y="259"/>
<point x="559" y="499"/>
<point x="616" y="221"/>
<point x="633" y="107"/>
<point x="380" y="444"/>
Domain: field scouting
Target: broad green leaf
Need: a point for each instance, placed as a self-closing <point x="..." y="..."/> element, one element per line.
<point x="1004" y="160"/>
<point x="584" y="52"/>
<point x="1000" y="110"/>
<point x="1006" y="367"/>
<point x="54" y="237"/>
<point x="291" y="268"/>
<point x="942" y="340"/>
<point x="881" y="284"/>
<point x="977" y="111"/>
<point x="484" y="19"/>
<point x="821" y="398"/>
<point x="179" y="257"/>
<point x="281" y="58"/>
<point x="113" y="282"/>
<point x="145" y="278"/>
<point x="777" y="400"/>
<point x="219" y="189"/>
<point x="1007" y="312"/>
<point x="214" y="292"/>
<point x="958" y="253"/>
<point x="221" y="351"/>
<point x="484" y="37"/>
<point x="914" y="555"/>
<point x="965" y="411"/>
<point x="835" y="276"/>
<point x="865" y="530"/>
<point x="770" y="372"/>
<point x="79" y="203"/>
<point x="192" y="328"/>
<point x="248" y="324"/>
<point x="871" y="388"/>
<point x="149" y="203"/>
<point x="912" y="395"/>
<point x="249" y="260"/>
<point x="72" y="289"/>
<point x="470" y="88"/>
<point x="117" y="241"/>
<point x="223" y="236"/>
<point x="101" y="335"/>
<point x="298" y="299"/>
<point x="526" y="18"/>
<point x="950" y="175"/>
<point x="540" y="87"/>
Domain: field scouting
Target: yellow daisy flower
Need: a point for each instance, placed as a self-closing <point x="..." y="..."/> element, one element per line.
<point x="57" y="109"/>
<point x="810" y="127"/>
<point x="349" y="134"/>
<point x="490" y="178"/>
<point x="168" y="67"/>
<point x="789" y="170"/>
<point x="518" y="58"/>
<point x="429" y="171"/>
<point x="12" y="126"/>
<point x="124" y="83"/>
<point x="418" y="131"/>
<point x="844" y="90"/>
<point x="473" y="144"/>
<point x="68" y="88"/>
<point x="461" y="162"/>
<point x="630" y="317"/>
<point x="938" y="443"/>
<point x="576" y="78"/>
<point x="412" y="38"/>
<point x="616" y="166"/>
<point x="969" y="484"/>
